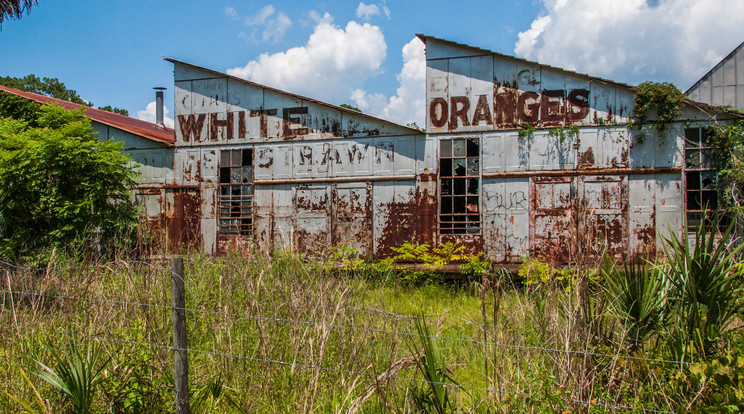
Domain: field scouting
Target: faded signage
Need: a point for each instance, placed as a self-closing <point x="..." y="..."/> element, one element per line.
<point x="510" y="108"/>
<point x="234" y="125"/>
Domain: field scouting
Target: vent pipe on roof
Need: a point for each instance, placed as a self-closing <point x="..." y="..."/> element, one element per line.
<point x="159" y="105"/>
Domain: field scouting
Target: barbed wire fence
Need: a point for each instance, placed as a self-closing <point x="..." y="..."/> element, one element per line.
<point x="180" y="348"/>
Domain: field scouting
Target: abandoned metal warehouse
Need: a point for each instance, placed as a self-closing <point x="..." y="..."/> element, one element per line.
<point x="518" y="158"/>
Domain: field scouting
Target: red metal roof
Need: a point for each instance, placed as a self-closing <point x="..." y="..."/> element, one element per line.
<point x="135" y="126"/>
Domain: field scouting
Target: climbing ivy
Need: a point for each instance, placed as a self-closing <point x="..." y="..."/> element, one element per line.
<point x="727" y="141"/>
<point x="527" y="131"/>
<point x="564" y="132"/>
<point x="663" y="96"/>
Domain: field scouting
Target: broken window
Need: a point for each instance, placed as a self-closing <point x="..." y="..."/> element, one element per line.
<point x="459" y="191"/>
<point x="701" y="195"/>
<point x="236" y="192"/>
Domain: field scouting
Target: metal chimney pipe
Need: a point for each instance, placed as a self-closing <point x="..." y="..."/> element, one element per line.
<point x="159" y="105"/>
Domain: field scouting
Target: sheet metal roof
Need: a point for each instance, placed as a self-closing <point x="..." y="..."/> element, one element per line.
<point x="134" y="126"/>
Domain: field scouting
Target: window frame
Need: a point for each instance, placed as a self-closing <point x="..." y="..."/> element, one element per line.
<point x="459" y="196"/>
<point x="235" y="192"/>
<point x="700" y="177"/>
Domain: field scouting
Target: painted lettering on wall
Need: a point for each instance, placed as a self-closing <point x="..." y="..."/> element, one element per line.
<point x="511" y="108"/>
<point x="234" y="125"/>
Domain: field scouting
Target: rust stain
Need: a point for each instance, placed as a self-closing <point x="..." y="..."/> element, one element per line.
<point x="586" y="158"/>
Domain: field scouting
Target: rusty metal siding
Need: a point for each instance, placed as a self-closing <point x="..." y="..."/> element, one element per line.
<point x="549" y="191"/>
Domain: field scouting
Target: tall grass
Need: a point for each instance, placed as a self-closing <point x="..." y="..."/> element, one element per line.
<point x="286" y="334"/>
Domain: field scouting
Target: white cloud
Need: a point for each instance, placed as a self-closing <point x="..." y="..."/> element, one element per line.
<point x="329" y="67"/>
<point x="149" y="114"/>
<point x="320" y="18"/>
<point x="230" y="11"/>
<point x="365" y="11"/>
<point x="260" y="17"/>
<point x="273" y="24"/>
<point x="408" y="104"/>
<point x="634" y="40"/>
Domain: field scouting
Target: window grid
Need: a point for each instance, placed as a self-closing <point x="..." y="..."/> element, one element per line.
<point x="235" y="211"/>
<point x="701" y="195"/>
<point x="459" y="186"/>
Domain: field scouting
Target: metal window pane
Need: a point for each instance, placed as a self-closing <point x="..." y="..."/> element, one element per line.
<point x="706" y="159"/>
<point x="224" y="175"/>
<point x="693" y="180"/>
<point x="473" y="166"/>
<point x="458" y="148"/>
<point x="708" y="180"/>
<point x="693" y="200"/>
<point x="472" y="186"/>
<point x="473" y="148"/>
<point x="224" y="158"/>
<point x="709" y="200"/>
<point x="445" y="168"/>
<point x="236" y="175"/>
<point x="247" y="175"/>
<point x="459" y="186"/>
<point x="447" y="186"/>
<point x="247" y="157"/>
<point x="445" y="148"/>
<point x="692" y="137"/>
<point x="237" y="158"/>
<point x="459" y="167"/>
<point x="692" y="159"/>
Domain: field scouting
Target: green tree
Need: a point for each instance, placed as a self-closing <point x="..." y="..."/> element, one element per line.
<point x="353" y="108"/>
<point x="60" y="184"/>
<point x="115" y="110"/>
<point x="51" y="87"/>
<point x="10" y="9"/>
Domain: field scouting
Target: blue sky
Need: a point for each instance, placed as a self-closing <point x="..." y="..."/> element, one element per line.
<point x="361" y="53"/>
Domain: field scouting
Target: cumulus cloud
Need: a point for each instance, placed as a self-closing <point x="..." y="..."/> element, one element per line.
<point x="635" y="40"/>
<point x="367" y="11"/>
<point x="329" y="67"/>
<point x="149" y="114"/>
<point x="272" y="24"/>
<point x="408" y="104"/>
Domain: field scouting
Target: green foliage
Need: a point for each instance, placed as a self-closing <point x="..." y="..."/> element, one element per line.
<point x="59" y="183"/>
<point x="40" y="406"/>
<point x="727" y="141"/>
<point x="534" y="271"/>
<point x="416" y="126"/>
<point x="527" y="131"/>
<point x="704" y="289"/>
<point x="721" y="384"/>
<point x="637" y="297"/>
<point x="214" y="396"/>
<point x="664" y="97"/>
<point x="51" y="87"/>
<point x="76" y="373"/>
<point x="563" y="133"/>
<point x="16" y="107"/>
<point x="436" y="397"/>
<point x="353" y="108"/>
<point x="115" y="110"/>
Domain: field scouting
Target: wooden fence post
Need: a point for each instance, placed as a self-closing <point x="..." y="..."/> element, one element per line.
<point x="180" y="344"/>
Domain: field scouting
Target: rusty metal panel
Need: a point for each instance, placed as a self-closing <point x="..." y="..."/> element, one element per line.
<point x="352" y="216"/>
<point x="642" y="215"/>
<point x="437" y="95"/>
<point x="183" y="218"/>
<point x="669" y="206"/>
<point x="189" y="166"/>
<point x="550" y="152"/>
<point x="209" y="165"/>
<point x="517" y="152"/>
<point x="352" y="158"/>
<point x="551" y="221"/>
<point x="606" y="201"/>
<point x="384" y="156"/>
<point x="668" y="151"/>
<point x="283" y="223"/>
<point x="209" y="96"/>
<point x="394" y="215"/>
<point x="312" y="159"/>
<point x="506" y="218"/>
<point x="405" y="155"/>
<point x="492" y="149"/>
<point x="283" y="161"/>
<point x="263" y="218"/>
<point x="312" y="208"/>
